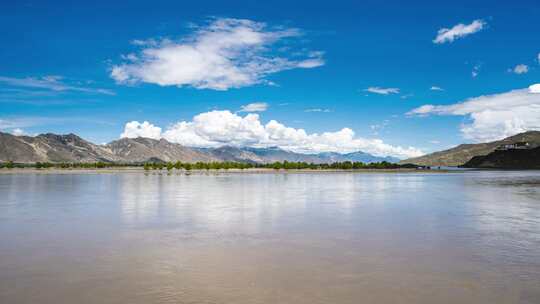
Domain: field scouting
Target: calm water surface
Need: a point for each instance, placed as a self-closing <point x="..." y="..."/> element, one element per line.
<point x="470" y="237"/>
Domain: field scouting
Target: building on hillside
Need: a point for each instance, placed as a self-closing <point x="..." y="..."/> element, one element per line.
<point x="522" y="145"/>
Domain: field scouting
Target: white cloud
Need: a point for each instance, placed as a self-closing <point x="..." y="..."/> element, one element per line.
<point x="382" y="91"/>
<point x="7" y="124"/>
<point x="10" y="123"/>
<point x="129" y="57"/>
<point x="135" y="129"/>
<point x="538" y="58"/>
<point x="311" y="63"/>
<point x="254" y="107"/>
<point x="218" y="128"/>
<point x="18" y="132"/>
<point x="318" y="110"/>
<point x="227" y="53"/>
<point x="475" y="71"/>
<point x="376" y="128"/>
<point x="458" y="31"/>
<point x="494" y="116"/>
<point x="52" y="83"/>
<point x="535" y="88"/>
<point x="436" y="88"/>
<point x="23" y="122"/>
<point x="520" y="69"/>
<point x="407" y="96"/>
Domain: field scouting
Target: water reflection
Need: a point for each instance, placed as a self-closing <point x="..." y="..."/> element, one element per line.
<point x="469" y="237"/>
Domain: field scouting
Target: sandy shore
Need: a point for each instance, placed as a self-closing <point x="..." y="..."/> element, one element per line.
<point x="140" y="170"/>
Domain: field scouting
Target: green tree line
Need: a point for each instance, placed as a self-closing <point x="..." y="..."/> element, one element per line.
<point x="169" y="166"/>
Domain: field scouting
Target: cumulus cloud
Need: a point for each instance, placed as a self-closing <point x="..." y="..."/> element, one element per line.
<point x="458" y="31"/>
<point x="535" y="88"/>
<point x="136" y="129"/>
<point x="219" y="128"/>
<point x="382" y="91"/>
<point x="436" y="88"/>
<point x="493" y="117"/>
<point x="18" y="132"/>
<point x="254" y="107"/>
<point x="520" y="69"/>
<point x="227" y="53"/>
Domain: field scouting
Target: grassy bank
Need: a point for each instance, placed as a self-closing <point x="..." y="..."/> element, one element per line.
<point x="201" y="167"/>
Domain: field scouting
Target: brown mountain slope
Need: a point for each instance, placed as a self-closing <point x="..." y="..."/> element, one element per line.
<point x="51" y="148"/>
<point x="463" y="153"/>
<point x="142" y="149"/>
<point x="228" y="153"/>
<point x="507" y="159"/>
<point x="16" y="148"/>
<point x="71" y="148"/>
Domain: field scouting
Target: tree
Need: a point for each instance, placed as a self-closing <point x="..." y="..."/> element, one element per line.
<point x="10" y="165"/>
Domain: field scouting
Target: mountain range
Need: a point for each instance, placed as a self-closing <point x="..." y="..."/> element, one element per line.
<point x="463" y="153"/>
<point x="51" y="147"/>
<point x="72" y="148"/>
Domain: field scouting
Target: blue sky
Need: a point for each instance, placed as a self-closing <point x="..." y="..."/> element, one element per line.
<point x="310" y="66"/>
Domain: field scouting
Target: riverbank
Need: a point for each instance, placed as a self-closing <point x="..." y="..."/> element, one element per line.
<point x="140" y="170"/>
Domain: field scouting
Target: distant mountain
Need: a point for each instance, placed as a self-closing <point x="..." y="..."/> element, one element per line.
<point x="275" y="154"/>
<point x="463" y="153"/>
<point x="143" y="149"/>
<point x="233" y="154"/>
<point x="507" y="159"/>
<point x="358" y="156"/>
<point x="71" y="148"/>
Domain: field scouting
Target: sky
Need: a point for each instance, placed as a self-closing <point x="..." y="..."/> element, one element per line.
<point x="306" y="76"/>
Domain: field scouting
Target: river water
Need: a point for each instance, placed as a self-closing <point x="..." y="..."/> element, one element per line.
<point x="461" y="237"/>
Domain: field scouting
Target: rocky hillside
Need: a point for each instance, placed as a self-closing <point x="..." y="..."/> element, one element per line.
<point x="463" y="153"/>
<point x="233" y="154"/>
<point x="71" y="148"/>
<point x="51" y="148"/>
<point x="509" y="159"/>
<point x="144" y="149"/>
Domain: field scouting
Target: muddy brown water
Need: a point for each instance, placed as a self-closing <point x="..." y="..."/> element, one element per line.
<point x="467" y="237"/>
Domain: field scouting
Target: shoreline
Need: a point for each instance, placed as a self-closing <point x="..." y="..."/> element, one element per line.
<point x="139" y="170"/>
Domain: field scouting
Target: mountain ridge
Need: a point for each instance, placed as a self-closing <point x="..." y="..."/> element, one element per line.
<point x="507" y="159"/>
<point x="50" y="147"/>
<point x="461" y="154"/>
